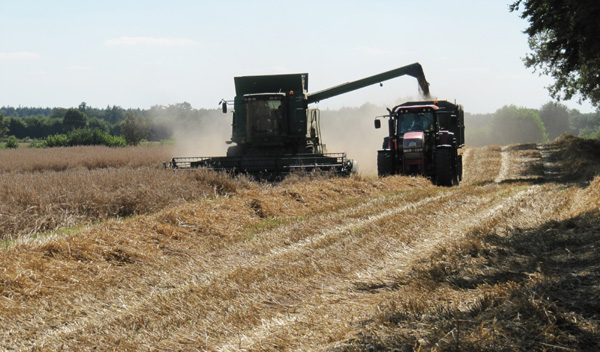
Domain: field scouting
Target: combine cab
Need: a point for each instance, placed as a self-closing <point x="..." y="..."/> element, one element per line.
<point x="274" y="132"/>
<point x="424" y="139"/>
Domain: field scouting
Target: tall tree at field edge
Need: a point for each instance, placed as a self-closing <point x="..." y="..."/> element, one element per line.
<point x="74" y="119"/>
<point x="563" y="37"/>
<point x="134" y="128"/>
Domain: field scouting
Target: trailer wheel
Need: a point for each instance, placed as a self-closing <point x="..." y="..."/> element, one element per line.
<point x="385" y="163"/>
<point x="444" y="170"/>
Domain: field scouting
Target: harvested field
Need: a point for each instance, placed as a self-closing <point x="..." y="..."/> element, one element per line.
<point x="508" y="261"/>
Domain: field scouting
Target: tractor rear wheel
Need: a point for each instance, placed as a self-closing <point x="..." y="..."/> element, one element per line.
<point x="385" y="163"/>
<point x="445" y="173"/>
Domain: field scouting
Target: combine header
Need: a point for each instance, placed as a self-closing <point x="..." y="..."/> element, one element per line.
<point x="274" y="132"/>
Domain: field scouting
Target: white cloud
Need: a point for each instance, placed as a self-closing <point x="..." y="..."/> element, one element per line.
<point x="18" y="56"/>
<point x="149" y="41"/>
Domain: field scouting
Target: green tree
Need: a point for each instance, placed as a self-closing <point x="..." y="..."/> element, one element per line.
<point x="17" y="127"/>
<point x="96" y="123"/>
<point x="52" y="126"/>
<point x="583" y="124"/>
<point x="134" y="128"/>
<point x="516" y="125"/>
<point x="3" y="126"/>
<point x="563" y="37"/>
<point x="555" y="117"/>
<point x="12" y="142"/>
<point x="74" y="119"/>
<point x="58" y="113"/>
<point x="35" y="128"/>
<point x="113" y="114"/>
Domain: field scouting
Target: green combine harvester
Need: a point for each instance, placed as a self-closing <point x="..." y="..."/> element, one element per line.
<point x="274" y="132"/>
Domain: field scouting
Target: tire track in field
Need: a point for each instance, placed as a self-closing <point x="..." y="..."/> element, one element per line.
<point x="329" y="303"/>
<point x="321" y="237"/>
<point x="340" y="234"/>
<point x="232" y="258"/>
<point x="504" y="165"/>
<point x="334" y="299"/>
<point x="466" y="157"/>
<point x="481" y="165"/>
<point x="519" y="206"/>
<point x="551" y="170"/>
<point x="356" y="223"/>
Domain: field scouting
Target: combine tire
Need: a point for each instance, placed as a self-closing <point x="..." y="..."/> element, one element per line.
<point x="385" y="163"/>
<point x="234" y="151"/>
<point x="445" y="175"/>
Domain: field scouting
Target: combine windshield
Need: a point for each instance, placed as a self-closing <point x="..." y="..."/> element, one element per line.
<point x="265" y="115"/>
<point x="415" y="121"/>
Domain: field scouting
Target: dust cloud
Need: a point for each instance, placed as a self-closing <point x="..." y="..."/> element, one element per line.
<point x="347" y="130"/>
<point x="205" y="136"/>
<point x="352" y="130"/>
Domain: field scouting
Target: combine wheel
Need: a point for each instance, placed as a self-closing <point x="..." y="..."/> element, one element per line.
<point x="234" y="151"/>
<point x="385" y="163"/>
<point x="445" y="174"/>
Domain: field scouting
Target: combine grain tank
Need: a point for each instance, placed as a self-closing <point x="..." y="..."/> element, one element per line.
<point x="274" y="131"/>
<point x="424" y="138"/>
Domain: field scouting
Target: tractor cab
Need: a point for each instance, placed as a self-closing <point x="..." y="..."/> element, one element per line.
<point x="411" y="125"/>
<point x="416" y="119"/>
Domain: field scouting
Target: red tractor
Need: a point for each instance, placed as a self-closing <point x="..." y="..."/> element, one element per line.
<point x="424" y="138"/>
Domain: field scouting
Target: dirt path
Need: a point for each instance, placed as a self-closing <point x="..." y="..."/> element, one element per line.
<point x="242" y="279"/>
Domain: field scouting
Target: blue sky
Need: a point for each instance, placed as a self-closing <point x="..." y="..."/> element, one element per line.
<point x="142" y="53"/>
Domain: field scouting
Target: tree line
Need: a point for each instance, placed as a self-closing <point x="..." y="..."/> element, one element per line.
<point x="512" y="124"/>
<point x="85" y="125"/>
<point x="115" y="126"/>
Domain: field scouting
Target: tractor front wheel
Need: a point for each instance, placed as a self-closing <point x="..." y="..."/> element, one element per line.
<point x="385" y="163"/>
<point x="445" y="173"/>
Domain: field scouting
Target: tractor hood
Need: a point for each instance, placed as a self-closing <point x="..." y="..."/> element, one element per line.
<point x="413" y="142"/>
<point x="414" y="135"/>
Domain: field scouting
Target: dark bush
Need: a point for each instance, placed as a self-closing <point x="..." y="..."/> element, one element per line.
<point x="84" y="136"/>
<point x="12" y="142"/>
